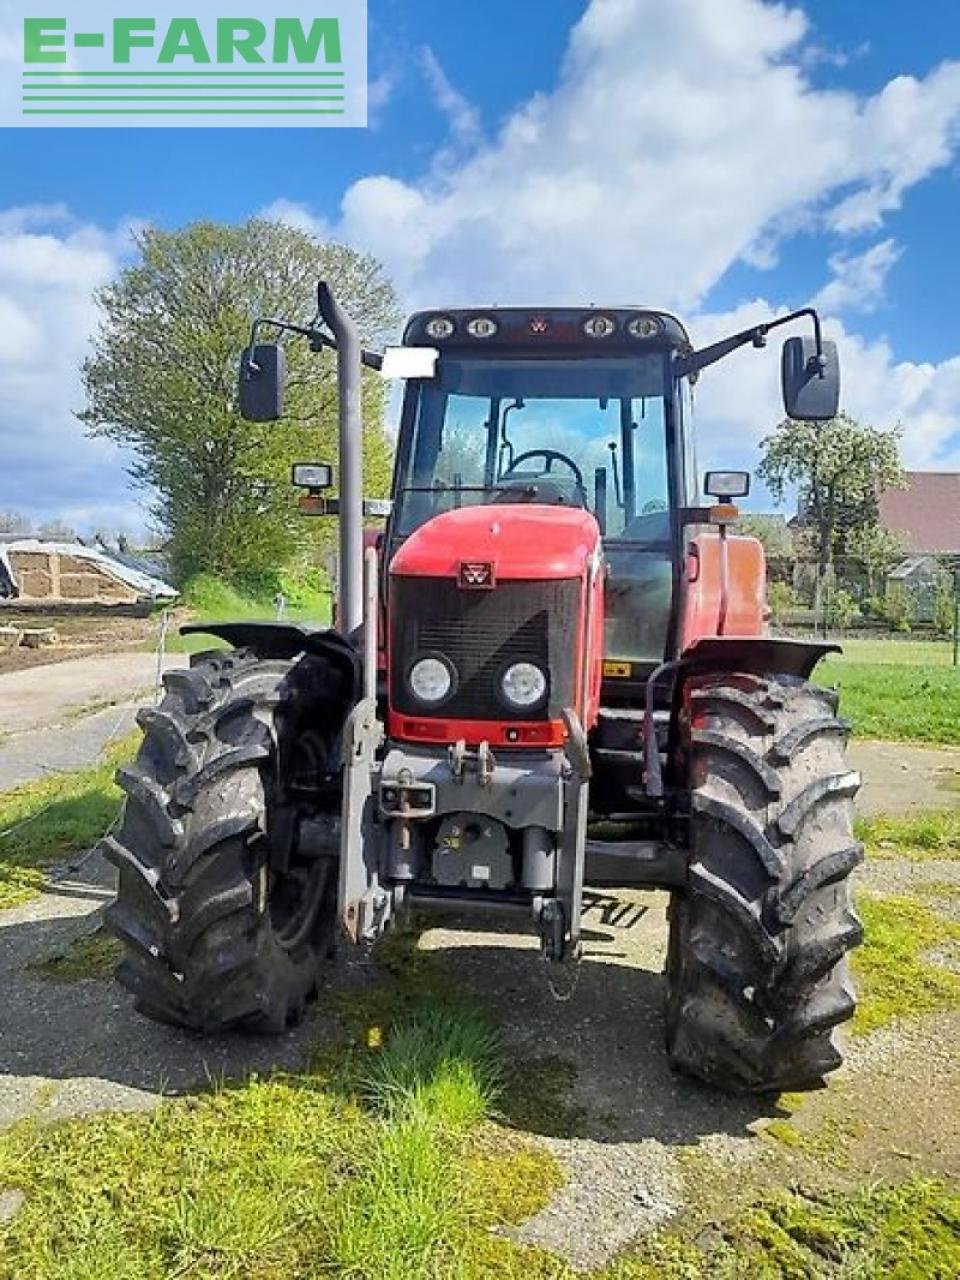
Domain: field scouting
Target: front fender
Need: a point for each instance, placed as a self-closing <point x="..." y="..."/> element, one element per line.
<point x="287" y="640"/>
<point x="758" y="655"/>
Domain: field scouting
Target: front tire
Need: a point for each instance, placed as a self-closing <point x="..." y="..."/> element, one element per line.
<point x="757" y="975"/>
<point x="214" y="935"/>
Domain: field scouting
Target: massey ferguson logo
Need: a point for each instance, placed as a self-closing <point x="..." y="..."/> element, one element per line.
<point x="476" y="574"/>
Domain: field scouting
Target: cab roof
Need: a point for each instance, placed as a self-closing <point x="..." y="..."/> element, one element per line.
<point x="541" y="330"/>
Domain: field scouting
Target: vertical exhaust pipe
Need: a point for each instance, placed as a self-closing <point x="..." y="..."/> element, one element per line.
<point x="350" y="602"/>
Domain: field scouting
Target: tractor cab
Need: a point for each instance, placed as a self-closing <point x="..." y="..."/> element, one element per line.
<point x="567" y="408"/>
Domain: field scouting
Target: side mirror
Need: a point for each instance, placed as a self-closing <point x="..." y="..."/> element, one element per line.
<point x="726" y="485"/>
<point x="811" y="386"/>
<point x="263" y="378"/>
<point x="315" y="476"/>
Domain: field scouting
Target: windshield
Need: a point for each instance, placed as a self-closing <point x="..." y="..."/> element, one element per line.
<point x="589" y="433"/>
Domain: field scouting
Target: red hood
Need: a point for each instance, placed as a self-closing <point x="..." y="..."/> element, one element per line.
<point x="523" y="540"/>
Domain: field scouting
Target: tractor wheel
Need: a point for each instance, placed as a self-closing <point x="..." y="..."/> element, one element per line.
<point x="239" y="751"/>
<point x="756" y="973"/>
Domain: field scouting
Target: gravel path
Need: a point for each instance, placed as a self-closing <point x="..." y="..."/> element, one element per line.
<point x="42" y="726"/>
<point x="899" y="777"/>
<point x="52" y="694"/>
<point x="71" y="1048"/>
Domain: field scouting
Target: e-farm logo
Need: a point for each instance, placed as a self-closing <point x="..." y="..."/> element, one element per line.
<point x="116" y="64"/>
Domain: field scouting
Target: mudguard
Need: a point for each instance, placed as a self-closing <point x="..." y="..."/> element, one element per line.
<point x="758" y="655"/>
<point x="286" y="640"/>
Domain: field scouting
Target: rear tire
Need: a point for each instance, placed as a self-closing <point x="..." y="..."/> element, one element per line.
<point x="757" y="975"/>
<point x="213" y="936"/>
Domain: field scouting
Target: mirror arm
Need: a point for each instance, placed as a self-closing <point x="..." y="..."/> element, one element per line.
<point x="697" y="360"/>
<point x="317" y="339"/>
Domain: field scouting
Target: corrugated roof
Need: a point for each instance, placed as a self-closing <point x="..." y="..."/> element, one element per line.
<point x="926" y="512"/>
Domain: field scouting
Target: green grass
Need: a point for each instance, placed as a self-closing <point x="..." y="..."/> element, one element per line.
<point x="905" y="1232"/>
<point x="899" y="690"/>
<point x="895" y="976"/>
<point x="887" y="652"/>
<point x="47" y="820"/>
<point x="210" y="599"/>
<point x="917" y="836"/>
<point x="385" y="1166"/>
<point x="94" y="956"/>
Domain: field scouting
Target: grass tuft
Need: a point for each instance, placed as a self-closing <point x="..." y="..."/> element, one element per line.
<point x="46" y="820"/>
<point x="933" y="834"/>
<point x="894" y="975"/>
<point x="94" y="956"/>
<point x="439" y="1062"/>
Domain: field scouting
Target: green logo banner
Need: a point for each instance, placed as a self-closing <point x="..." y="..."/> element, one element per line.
<point x="96" y="64"/>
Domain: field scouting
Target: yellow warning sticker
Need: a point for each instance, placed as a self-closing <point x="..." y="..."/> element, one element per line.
<point x="618" y="670"/>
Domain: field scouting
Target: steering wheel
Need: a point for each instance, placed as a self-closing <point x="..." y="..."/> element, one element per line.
<point x="550" y="456"/>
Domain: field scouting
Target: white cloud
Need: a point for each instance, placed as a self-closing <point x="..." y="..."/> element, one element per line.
<point x="679" y="139"/>
<point x="858" y="280"/>
<point x="462" y="117"/>
<point x="380" y="91"/>
<point x="49" y="269"/>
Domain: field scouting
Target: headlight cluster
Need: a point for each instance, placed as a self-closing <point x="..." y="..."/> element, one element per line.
<point x="597" y="325"/>
<point x="521" y="685"/>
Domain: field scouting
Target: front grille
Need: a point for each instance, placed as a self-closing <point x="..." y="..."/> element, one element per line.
<point x="481" y="633"/>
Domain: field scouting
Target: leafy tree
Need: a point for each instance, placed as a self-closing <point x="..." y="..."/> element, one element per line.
<point x="57" y="531"/>
<point x="14" y="522"/>
<point x="771" y="530"/>
<point x="162" y="382"/>
<point x="839" y="467"/>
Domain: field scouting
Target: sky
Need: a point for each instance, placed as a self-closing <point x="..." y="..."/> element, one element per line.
<point x="727" y="160"/>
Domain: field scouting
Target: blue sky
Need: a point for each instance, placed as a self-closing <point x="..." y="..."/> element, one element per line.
<point x="724" y="159"/>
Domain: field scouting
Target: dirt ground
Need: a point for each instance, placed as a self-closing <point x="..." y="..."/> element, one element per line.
<point x="79" y="636"/>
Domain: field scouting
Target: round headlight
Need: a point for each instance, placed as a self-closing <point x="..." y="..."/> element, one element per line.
<point x="644" y="327"/>
<point x="599" y="326"/>
<point x="523" y="685"/>
<point x="482" y="327"/>
<point x="440" y="327"/>
<point x="430" y="680"/>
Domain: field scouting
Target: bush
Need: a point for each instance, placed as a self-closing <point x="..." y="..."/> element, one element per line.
<point x="781" y="599"/>
<point x="841" y="609"/>
<point x="900" y="608"/>
<point x="944" y="607"/>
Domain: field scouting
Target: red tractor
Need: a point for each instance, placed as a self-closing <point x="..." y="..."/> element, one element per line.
<point x="551" y="640"/>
